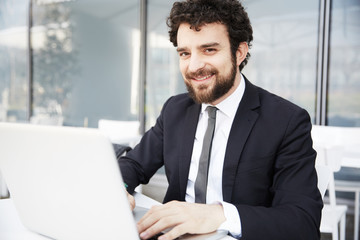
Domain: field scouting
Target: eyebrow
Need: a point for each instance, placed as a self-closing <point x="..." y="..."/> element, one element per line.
<point x="206" y="45"/>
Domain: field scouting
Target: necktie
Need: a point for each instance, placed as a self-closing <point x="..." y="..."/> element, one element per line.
<point x="202" y="176"/>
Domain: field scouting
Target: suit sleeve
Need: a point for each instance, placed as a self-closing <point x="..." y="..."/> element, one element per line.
<point x="141" y="163"/>
<point x="295" y="211"/>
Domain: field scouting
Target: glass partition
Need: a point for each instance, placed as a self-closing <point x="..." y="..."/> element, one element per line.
<point x="344" y="64"/>
<point x="86" y="61"/>
<point x="163" y="75"/>
<point x="343" y="98"/>
<point x="284" y="53"/>
<point x="14" y="85"/>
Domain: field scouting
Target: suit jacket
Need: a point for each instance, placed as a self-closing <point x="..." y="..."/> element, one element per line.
<point x="268" y="171"/>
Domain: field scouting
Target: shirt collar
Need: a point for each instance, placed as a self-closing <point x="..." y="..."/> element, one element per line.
<point x="230" y="104"/>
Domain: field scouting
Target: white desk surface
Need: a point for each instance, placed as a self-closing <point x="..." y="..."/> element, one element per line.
<point x="11" y="227"/>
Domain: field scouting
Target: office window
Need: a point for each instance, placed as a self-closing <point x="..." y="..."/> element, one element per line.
<point x="13" y="60"/>
<point x="284" y="53"/>
<point x="85" y="61"/>
<point x="283" y="61"/>
<point x="163" y="75"/>
<point x="344" y="64"/>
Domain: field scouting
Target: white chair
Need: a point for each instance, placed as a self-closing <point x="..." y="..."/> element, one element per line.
<point x="349" y="139"/>
<point x="121" y="132"/>
<point x="332" y="213"/>
<point x="324" y="175"/>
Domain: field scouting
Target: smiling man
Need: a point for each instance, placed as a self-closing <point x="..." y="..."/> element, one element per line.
<point x="236" y="157"/>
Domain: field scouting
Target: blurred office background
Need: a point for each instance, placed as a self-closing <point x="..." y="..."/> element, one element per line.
<point x="81" y="61"/>
<point x="75" y="62"/>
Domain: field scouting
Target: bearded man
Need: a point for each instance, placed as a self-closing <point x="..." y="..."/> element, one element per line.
<point x="236" y="157"/>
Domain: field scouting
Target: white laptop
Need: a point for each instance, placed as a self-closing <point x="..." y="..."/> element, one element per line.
<point x="66" y="184"/>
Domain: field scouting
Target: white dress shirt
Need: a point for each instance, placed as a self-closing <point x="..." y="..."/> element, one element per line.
<point x="224" y="119"/>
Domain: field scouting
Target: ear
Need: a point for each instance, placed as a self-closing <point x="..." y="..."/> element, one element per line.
<point x="241" y="53"/>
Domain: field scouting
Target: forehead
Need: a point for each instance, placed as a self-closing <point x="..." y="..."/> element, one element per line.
<point x="213" y="32"/>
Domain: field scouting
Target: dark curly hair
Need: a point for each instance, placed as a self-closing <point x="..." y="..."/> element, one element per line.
<point x="200" y="12"/>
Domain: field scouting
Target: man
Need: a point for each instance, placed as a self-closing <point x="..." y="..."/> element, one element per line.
<point x="261" y="180"/>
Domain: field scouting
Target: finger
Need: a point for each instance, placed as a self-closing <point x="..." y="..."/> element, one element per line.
<point x="158" y="219"/>
<point x="158" y="212"/>
<point x="174" y="233"/>
<point x="155" y="214"/>
<point x="196" y="219"/>
<point x="159" y="226"/>
<point x="150" y="214"/>
<point x="131" y="200"/>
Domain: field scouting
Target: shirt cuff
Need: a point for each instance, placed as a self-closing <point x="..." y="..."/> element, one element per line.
<point x="232" y="222"/>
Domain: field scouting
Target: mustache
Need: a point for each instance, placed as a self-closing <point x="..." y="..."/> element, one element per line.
<point x="201" y="72"/>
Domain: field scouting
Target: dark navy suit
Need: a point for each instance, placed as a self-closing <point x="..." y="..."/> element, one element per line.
<point x="268" y="171"/>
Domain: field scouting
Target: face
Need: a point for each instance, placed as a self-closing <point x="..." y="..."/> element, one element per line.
<point x="209" y="70"/>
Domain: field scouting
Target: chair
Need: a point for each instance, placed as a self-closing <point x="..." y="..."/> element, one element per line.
<point x="349" y="139"/>
<point x="120" y="149"/>
<point x="324" y="175"/>
<point x="121" y="132"/>
<point x="332" y="213"/>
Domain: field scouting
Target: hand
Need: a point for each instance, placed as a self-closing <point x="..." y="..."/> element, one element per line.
<point x="183" y="217"/>
<point x="131" y="200"/>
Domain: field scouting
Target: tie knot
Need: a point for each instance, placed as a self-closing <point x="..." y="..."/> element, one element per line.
<point x="211" y="111"/>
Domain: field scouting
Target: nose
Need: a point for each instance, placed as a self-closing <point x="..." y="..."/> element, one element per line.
<point x="195" y="63"/>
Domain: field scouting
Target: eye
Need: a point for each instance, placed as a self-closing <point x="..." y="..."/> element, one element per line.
<point x="183" y="54"/>
<point x="210" y="50"/>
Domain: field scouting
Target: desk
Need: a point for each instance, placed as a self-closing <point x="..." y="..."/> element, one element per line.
<point x="11" y="227"/>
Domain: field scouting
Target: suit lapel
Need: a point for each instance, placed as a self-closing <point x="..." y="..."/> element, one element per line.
<point x="187" y="140"/>
<point x="244" y="121"/>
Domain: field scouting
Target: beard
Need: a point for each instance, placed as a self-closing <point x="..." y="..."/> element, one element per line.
<point x="208" y="93"/>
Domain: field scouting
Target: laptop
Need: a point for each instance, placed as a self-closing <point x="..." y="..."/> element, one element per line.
<point x="65" y="183"/>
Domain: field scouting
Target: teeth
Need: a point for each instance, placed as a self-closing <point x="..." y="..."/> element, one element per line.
<point x="203" y="78"/>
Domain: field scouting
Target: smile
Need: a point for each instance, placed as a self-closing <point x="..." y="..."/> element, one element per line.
<point x="207" y="77"/>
